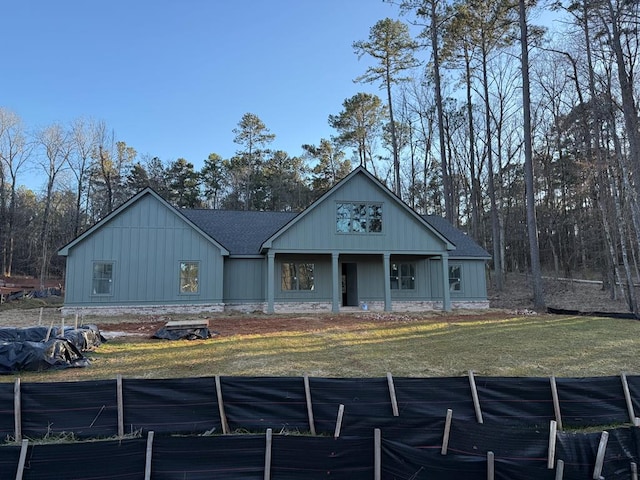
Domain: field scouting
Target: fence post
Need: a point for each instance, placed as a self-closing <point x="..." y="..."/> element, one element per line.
<point x="474" y="394"/>
<point x="556" y="401"/>
<point x="392" y="394"/>
<point x="447" y="431"/>
<point x="22" y="460"/>
<point x="336" y="434"/>
<point x="491" y="469"/>
<point x="17" y="410"/>
<point x="602" y="447"/>
<point x="377" y="454"/>
<point x="553" y="430"/>
<point x="560" y="470"/>
<point x="307" y="395"/>
<point x="120" y="401"/>
<point x="223" y="415"/>
<point x="267" y="454"/>
<point x="627" y="398"/>
<point x="147" y="465"/>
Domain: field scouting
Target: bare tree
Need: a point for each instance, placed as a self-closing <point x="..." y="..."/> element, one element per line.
<point x="15" y="150"/>
<point x="57" y="147"/>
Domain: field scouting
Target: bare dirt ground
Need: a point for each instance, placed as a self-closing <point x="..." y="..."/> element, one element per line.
<point x="516" y="298"/>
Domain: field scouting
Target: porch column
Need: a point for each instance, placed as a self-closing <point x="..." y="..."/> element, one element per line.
<point x="336" y="285"/>
<point x="386" y="271"/>
<point x="271" y="271"/>
<point x="446" y="297"/>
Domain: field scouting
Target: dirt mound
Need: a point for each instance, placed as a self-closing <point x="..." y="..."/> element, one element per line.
<point x="566" y="294"/>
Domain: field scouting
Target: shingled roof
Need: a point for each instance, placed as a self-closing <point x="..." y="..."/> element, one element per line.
<point x="465" y="246"/>
<point x="240" y="232"/>
<point x="243" y="232"/>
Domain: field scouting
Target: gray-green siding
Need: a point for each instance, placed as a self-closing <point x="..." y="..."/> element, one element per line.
<point x="146" y="243"/>
<point x="474" y="280"/>
<point x="401" y="232"/>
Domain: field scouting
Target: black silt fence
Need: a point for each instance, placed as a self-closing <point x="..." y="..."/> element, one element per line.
<point x="171" y="406"/>
<point x="85" y="409"/>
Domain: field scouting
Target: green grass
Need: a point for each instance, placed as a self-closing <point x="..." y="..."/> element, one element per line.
<point x="565" y="346"/>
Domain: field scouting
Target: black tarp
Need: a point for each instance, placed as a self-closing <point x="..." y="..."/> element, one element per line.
<point x="173" y="405"/>
<point x="86" y="409"/>
<point x="165" y="333"/>
<point x="86" y="337"/>
<point x="258" y="403"/>
<point x="36" y="356"/>
<point x="203" y="458"/>
<point x="117" y="460"/>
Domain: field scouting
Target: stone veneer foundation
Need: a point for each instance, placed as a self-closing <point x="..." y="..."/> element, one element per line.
<point x="281" y="307"/>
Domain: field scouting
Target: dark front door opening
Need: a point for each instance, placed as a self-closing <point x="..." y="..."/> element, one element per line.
<point x="349" y="284"/>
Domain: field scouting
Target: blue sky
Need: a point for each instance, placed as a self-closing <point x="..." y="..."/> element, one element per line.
<point x="173" y="78"/>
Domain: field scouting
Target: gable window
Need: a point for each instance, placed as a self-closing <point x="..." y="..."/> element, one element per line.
<point x="297" y="276"/>
<point x="403" y="276"/>
<point x="102" y="278"/>
<point x="359" y="218"/>
<point x="455" y="278"/>
<point x="189" y="277"/>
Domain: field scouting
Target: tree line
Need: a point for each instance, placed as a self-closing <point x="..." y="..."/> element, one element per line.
<point x="448" y="134"/>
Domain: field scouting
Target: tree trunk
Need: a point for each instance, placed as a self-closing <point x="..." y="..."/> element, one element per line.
<point x="532" y="229"/>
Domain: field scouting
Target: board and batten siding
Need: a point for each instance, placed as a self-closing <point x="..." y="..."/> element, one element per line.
<point x="146" y="243"/>
<point x="317" y="231"/>
<point x="244" y="280"/>
<point x="473" y="281"/>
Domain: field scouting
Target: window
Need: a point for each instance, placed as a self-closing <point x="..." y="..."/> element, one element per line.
<point x="102" y="278"/>
<point x="189" y="277"/>
<point x="359" y="218"/>
<point x="403" y="276"/>
<point x="297" y="276"/>
<point x="455" y="278"/>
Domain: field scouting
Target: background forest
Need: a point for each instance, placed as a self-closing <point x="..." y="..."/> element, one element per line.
<point x="448" y="134"/>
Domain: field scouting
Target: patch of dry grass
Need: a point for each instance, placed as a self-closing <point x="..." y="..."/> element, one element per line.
<point x="528" y="346"/>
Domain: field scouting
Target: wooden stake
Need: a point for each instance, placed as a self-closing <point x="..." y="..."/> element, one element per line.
<point x="553" y="431"/>
<point x="223" y="415"/>
<point x="307" y="394"/>
<point x="76" y="327"/>
<point x="40" y="316"/>
<point x="447" y="430"/>
<point x="377" y="454"/>
<point x="556" y="402"/>
<point x="147" y="466"/>
<point x="627" y="398"/>
<point x="560" y="470"/>
<point x="267" y="454"/>
<point x="491" y="468"/>
<point x="120" y="401"/>
<point x="17" y="410"/>
<point x="634" y="471"/>
<point x="392" y="394"/>
<point x="339" y="421"/>
<point x="474" y="394"/>
<point x="22" y="459"/>
<point x="602" y="447"/>
<point x="46" y="339"/>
